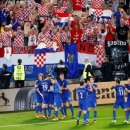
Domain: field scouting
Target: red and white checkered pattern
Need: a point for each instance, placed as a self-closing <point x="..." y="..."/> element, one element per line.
<point x="99" y="50"/>
<point x="57" y="37"/>
<point x="127" y="22"/>
<point x="114" y="1"/>
<point x="59" y="10"/>
<point x="0" y="40"/>
<point x="86" y="34"/>
<point x="26" y="13"/>
<point x="19" y="39"/>
<point x="98" y="12"/>
<point x="6" y="40"/>
<point x="44" y="37"/>
<point x="84" y="2"/>
<point x="96" y="3"/>
<point x="40" y="59"/>
<point x="20" y="14"/>
<point x="65" y="36"/>
<point x="64" y="3"/>
<point x="43" y="9"/>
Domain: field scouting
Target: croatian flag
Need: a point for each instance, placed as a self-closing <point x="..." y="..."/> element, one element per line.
<point x="63" y="18"/>
<point x="101" y="13"/>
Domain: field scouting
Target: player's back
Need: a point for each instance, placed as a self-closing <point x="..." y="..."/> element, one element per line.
<point x="120" y="92"/>
<point x="45" y="86"/>
<point x="128" y="94"/>
<point x="56" y="90"/>
<point x="82" y="94"/>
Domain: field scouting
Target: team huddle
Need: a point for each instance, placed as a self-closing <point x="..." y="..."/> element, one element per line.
<point x="60" y="94"/>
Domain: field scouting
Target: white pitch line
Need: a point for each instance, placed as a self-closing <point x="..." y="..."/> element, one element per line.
<point x="4" y="126"/>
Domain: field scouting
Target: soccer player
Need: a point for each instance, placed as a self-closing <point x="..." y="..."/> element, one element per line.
<point x="66" y="94"/>
<point x="91" y="99"/>
<point x="82" y="99"/>
<point x="120" y="100"/>
<point x="57" y="99"/>
<point x="128" y="98"/>
<point x="38" y="98"/>
<point x="45" y="86"/>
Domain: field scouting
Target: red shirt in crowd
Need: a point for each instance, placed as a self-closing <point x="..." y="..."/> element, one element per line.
<point x="76" y="35"/>
<point x="110" y="36"/>
<point x="73" y="23"/>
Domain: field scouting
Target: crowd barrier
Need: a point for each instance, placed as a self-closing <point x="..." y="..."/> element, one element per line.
<point x="22" y="98"/>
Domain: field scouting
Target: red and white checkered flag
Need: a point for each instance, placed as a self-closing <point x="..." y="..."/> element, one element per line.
<point x="98" y="12"/>
<point x="40" y="59"/>
<point x="99" y="50"/>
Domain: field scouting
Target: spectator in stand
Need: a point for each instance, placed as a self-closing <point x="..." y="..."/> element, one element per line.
<point x="43" y="8"/>
<point x="2" y="12"/>
<point x="6" y="37"/>
<point x="117" y="16"/>
<point x="2" y="25"/>
<point x="115" y="4"/>
<point x="96" y="3"/>
<point x="19" y="37"/>
<point x="124" y="7"/>
<point x="76" y="33"/>
<point x="15" y="22"/>
<point x="33" y="36"/>
<point x="122" y="31"/>
<point x="111" y="30"/>
<point x="61" y="9"/>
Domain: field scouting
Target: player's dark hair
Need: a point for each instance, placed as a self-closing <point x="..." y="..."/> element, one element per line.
<point x="61" y="73"/>
<point x="81" y="83"/>
<point x="118" y="81"/>
<point x="4" y="66"/>
<point x="19" y="61"/>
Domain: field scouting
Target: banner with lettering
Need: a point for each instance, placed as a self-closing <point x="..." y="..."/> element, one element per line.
<point x="118" y="51"/>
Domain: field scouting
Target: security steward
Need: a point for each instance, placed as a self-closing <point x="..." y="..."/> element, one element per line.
<point x="61" y="68"/>
<point x="107" y="69"/>
<point x="5" y="77"/>
<point x="19" y="74"/>
<point x="87" y="72"/>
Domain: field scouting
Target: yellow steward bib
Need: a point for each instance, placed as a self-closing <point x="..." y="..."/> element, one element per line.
<point x="19" y="73"/>
<point x="85" y="73"/>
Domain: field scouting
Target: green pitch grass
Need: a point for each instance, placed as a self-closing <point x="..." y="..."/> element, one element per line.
<point x="27" y="121"/>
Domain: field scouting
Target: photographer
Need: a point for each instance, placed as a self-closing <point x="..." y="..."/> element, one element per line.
<point x="61" y="68"/>
<point x="5" y="77"/>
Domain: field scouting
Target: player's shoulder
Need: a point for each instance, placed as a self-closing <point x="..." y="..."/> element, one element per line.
<point x="95" y="85"/>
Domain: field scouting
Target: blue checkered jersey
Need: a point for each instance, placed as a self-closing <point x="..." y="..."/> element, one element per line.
<point x="120" y="92"/>
<point x="91" y="94"/>
<point x="82" y="93"/>
<point x="128" y="95"/>
<point x="63" y="84"/>
<point x="56" y="90"/>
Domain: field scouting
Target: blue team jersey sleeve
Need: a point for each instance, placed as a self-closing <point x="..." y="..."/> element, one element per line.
<point x="56" y="88"/>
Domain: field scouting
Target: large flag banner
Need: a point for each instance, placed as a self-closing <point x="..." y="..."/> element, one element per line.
<point x="71" y="60"/>
<point x="118" y="51"/>
<point x="101" y="13"/>
<point x="77" y="5"/>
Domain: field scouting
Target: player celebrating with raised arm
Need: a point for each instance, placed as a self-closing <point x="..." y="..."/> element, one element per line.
<point x="91" y="99"/>
<point x="66" y="95"/>
<point x="57" y="99"/>
<point x="128" y="98"/>
<point x="120" y="100"/>
<point x="37" y="96"/>
<point x="82" y="99"/>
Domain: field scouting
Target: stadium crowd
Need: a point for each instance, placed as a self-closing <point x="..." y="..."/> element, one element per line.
<point x="31" y="22"/>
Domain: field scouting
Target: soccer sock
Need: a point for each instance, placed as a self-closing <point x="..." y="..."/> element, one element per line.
<point x="62" y="112"/>
<point x="114" y="115"/>
<point x="79" y="114"/>
<point x="72" y="109"/>
<point x="127" y="115"/>
<point x="85" y="117"/>
<point x="44" y="110"/>
<point x="56" y="113"/>
<point x="36" y="109"/>
<point x="65" y="110"/>
<point x="95" y="114"/>
<point x="40" y="109"/>
<point x="88" y="115"/>
<point x="49" y="111"/>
